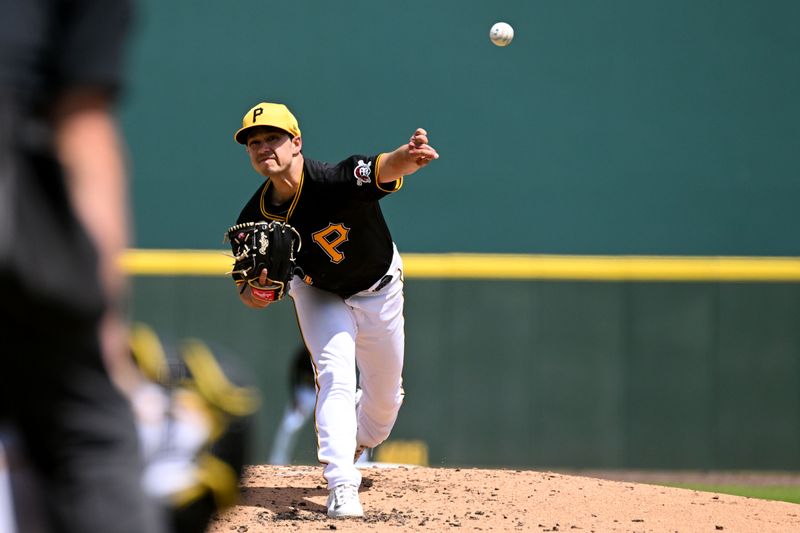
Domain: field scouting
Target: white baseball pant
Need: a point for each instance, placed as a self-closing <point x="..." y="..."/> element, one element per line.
<point x="365" y="330"/>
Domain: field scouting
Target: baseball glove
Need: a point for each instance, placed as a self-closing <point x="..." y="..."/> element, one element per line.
<point x="264" y="245"/>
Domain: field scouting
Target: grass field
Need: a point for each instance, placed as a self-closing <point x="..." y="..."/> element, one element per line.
<point x="789" y="494"/>
<point x="777" y="486"/>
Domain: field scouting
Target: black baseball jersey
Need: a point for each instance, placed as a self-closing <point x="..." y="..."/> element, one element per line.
<point x="346" y="245"/>
<point x="49" y="47"/>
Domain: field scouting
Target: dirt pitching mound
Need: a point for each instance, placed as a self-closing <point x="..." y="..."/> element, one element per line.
<point x="441" y="499"/>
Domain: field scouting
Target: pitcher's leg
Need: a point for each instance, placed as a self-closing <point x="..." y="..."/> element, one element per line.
<point x="328" y="329"/>
<point x="380" y="354"/>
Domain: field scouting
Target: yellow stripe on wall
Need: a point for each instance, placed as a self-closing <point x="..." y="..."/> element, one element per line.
<point x="176" y="262"/>
<point x="509" y="266"/>
<point x="604" y="268"/>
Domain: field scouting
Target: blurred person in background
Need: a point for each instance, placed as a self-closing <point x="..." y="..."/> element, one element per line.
<point x="195" y="419"/>
<point x="302" y="398"/>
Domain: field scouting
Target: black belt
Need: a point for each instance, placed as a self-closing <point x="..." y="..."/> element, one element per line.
<point x="383" y="282"/>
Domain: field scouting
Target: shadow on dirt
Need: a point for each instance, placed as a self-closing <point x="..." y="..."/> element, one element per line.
<point x="290" y="503"/>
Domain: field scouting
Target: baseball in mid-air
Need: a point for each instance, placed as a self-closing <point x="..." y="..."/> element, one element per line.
<point x="501" y="34"/>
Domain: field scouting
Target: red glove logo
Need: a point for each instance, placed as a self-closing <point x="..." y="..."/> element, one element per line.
<point x="263" y="294"/>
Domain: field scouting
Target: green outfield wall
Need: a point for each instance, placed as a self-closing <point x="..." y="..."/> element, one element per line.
<point x="606" y="127"/>
<point x="630" y="165"/>
<point x="533" y="372"/>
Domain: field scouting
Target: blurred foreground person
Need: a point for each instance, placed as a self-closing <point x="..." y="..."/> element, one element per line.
<point x="73" y="456"/>
<point x="63" y="222"/>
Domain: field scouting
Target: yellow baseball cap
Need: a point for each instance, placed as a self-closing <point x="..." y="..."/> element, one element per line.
<point x="267" y="114"/>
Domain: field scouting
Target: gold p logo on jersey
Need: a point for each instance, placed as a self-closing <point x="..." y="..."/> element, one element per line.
<point x="331" y="237"/>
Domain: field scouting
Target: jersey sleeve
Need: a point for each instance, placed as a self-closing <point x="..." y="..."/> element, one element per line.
<point x="357" y="176"/>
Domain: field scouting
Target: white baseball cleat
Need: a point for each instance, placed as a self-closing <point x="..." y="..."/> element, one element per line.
<point x="343" y="502"/>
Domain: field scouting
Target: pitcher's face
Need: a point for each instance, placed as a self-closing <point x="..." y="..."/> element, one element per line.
<point x="271" y="150"/>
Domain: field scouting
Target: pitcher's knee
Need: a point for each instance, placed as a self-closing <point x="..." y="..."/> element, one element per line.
<point x="332" y="384"/>
<point x="372" y="435"/>
<point x="377" y="418"/>
<point x="382" y="405"/>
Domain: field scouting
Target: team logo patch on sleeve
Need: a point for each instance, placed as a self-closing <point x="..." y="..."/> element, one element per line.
<point x="362" y="172"/>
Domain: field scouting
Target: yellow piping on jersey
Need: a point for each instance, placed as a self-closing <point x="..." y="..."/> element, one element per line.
<point x="398" y="183"/>
<point x="316" y="383"/>
<point x="295" y="199"/>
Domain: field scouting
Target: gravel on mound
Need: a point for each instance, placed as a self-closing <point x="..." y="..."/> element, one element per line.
<point x="441" y="499"/>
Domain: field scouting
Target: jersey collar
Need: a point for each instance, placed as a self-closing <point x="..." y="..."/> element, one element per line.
<point x="269" y="211"/>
